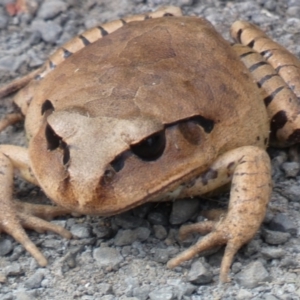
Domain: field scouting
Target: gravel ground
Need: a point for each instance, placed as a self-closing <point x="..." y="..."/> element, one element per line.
<point x="124" y="257"/>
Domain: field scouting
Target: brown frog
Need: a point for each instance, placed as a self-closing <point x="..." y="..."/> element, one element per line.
<point x="153" y="107"/>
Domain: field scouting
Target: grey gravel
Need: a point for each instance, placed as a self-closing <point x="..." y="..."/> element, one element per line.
<point x="157" y="218"/>
<point x="35" y="280"/>
<point x="161" y="255"/>
<point x="253" y="275"/>
<point x="162" y="294"/>
<point x="160" y="232"/>
<point x="272" y="253"/>
<point x="13" y="269"/>
<point x="3" y="21"/>
<point x="291" y="169"/>
<point x="49" y="30"/>
<point x="81" y="231"/>
<point x="141" y="292"/>
<point x="244" y="294"/>
<point x="50" y="9"/>
<point x="11" y="63"/>
<point x="282" y="222"/>
<point x="292" y="192"/>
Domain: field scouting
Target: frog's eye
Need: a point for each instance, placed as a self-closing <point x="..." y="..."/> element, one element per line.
<point x="150" y="148"/>
<point x="54" y="142"/>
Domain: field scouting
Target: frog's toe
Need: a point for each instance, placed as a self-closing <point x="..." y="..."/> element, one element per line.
<point x="220" y="234"/>
<point x="14" y="218"/>
<point x="46" y="212"/>
<point x="12" y="227"/>
<point x="41" y="226"/>
<point x="202" y="228"/>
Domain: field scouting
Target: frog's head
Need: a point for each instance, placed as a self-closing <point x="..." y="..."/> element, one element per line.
<point x="105" y="165"/>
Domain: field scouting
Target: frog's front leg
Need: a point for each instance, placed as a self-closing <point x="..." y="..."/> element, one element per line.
<point x="250" y="171"/>
<point x="14" y="215"/>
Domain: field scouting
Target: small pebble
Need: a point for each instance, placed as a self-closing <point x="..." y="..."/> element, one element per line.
<point x="292" y="25"/>
<point x="282" y="222"/>
<point x="183" y="210"/>
<point x="272" y="253"/>
<point x="81" y="231"/>
<point x="12" y="63"/>
<point x="49" y="30"/>
<point x="165" y="293"/>
<point x="160" y="232"/>
<point x="23" y="295"/>
<point x="243" y="294"/>
<point x="161" y="255"/>
<point x="275" y="237"/>
<point x="141" y="292"/>
<point x="3" y="20"/>
<point x="128" y="221"/>
<point x="157" y="218"/>
<point x="253" y="275"/>
<point x="125" y="237"/>
<point x="184" y="289"/>
<point x="105" y="288"/>
<point x="13" y="269"/>
<point x="199" y="274"/>
<point x="106" y="256"/>
<point x="291" y="169"/>
<point x="34" y="281"/>
<point x="50" y="9"/>
<point x="5" y="246"/>
<point x="292" y="192"/>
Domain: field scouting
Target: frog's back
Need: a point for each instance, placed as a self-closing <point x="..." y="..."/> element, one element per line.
<point x="168" y="69"/>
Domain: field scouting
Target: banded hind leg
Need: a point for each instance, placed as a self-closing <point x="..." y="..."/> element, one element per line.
<point x="248" y="169"/>
<point x="23" y="98"/>
<point x="277" y="73"/>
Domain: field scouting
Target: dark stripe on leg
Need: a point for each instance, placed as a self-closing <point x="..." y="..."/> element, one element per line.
<point x="103" y="31"/>
<point x="67" y="53"/>
<point x="257" y="65"/>
<point x="269" y="99"/>
<point x="84" y="40"/>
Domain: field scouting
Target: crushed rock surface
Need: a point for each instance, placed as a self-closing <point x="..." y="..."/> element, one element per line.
<point x="124" y="257"/>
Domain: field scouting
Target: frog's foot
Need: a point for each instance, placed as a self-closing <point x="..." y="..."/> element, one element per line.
<point x="15" y="216"/>
<point x="249" y="169"/>
<point x="220" y="233"/>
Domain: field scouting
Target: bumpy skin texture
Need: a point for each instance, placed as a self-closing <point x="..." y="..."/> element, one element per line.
<point x="171" y="82"/>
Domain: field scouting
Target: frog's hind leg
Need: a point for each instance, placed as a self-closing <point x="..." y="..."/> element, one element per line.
<point x="250" y="171"/>
<point x="277" y="73"/>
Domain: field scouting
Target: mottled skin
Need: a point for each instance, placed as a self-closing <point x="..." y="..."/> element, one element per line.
<point x="170" y="87"/>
